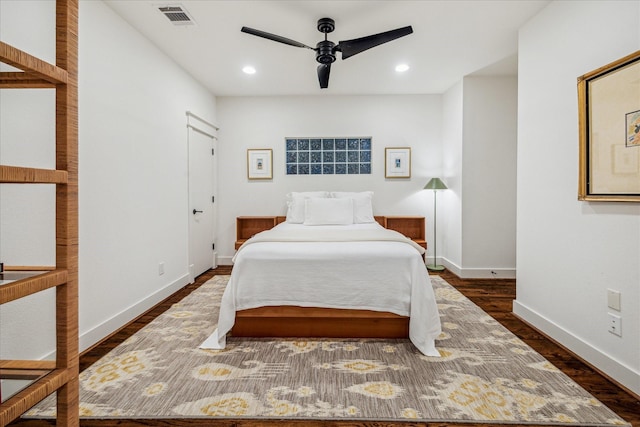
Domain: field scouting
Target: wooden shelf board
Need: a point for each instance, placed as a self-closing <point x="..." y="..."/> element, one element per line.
<point x="29" y="63"/>
<point x="30" y="284"/>
<point x="22" y="175"/>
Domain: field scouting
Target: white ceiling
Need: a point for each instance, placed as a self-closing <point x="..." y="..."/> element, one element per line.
<point x="451" y="39"/>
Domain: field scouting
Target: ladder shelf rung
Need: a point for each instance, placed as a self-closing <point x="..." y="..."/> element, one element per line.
<point x="15" y="285"/>
<point x="29" y="63"/>
<point x="24" y="175"/>
<point x="47" y="365"/>
<point x="28" y="370"/>
<point x="22" y="80"/>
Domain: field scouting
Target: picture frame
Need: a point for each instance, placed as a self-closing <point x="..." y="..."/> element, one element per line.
<point x="260" y="163"/>
<point x="397" y="162"/>
<point x="609" y="132"/>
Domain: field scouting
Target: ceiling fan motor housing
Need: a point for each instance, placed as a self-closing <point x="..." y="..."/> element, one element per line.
<point x="325" y="52"/>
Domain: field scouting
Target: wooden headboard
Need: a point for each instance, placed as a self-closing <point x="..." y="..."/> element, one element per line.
<point x="411" y="226"/>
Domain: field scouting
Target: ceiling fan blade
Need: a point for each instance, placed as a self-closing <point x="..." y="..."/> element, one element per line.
<point x="323" y="75"/>
<point x="274" y="37"/>
<point x="355" y="46"/>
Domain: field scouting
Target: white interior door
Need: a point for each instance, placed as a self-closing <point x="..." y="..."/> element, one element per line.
<point x="201" y="212"/>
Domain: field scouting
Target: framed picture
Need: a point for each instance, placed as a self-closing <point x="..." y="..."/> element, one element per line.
<point x="259" y="163"/>
<point x="397" y="162"/>
<point x="609" y="125"/>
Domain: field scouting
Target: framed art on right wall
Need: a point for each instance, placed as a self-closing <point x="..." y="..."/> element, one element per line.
<point x="609" y="126"/>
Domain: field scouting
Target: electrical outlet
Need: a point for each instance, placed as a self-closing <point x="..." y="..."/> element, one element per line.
<point x="161" y="269"/>
<point x="615" y="324"/>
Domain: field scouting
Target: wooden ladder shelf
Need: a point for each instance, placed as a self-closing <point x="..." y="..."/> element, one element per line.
<point x="59" y="376"/>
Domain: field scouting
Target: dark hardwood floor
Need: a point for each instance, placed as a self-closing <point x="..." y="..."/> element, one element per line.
<point x="495" y="296"/>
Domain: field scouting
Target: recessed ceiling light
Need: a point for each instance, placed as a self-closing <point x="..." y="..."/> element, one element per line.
<point x="401" y="68"/>
<point x="249" y="70"/>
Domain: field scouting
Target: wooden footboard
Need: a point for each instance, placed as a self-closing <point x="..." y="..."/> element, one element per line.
<point x="292" y="321"/>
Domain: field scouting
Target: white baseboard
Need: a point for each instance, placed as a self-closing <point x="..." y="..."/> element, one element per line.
<point x="454" y="268"/>
<point x="624" y="375"/>
<point x="98" y="333"/>
<point x="488" y="273"/>
<point x="225" y="260"/>
<point x="479" y="273"/>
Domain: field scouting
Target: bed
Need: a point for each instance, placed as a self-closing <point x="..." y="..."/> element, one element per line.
<point x="333" y="272"/>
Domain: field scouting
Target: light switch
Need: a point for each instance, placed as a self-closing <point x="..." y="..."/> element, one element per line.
<point x="613" y="299"/>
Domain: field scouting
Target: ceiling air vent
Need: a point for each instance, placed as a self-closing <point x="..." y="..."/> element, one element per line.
<point x="178" y="15"/>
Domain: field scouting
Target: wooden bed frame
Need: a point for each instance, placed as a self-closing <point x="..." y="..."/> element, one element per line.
<point x="294" y="321"/>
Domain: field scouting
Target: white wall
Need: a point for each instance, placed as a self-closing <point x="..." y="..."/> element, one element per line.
<point x="479" y="158"/>
<point x="133" y="215"/>
<point x="264" y="122"/>
<point x="450" y="224"/>
<point x="133" y="178"/>
<point x="569" y="252"/>
<point x="489" y="177"/>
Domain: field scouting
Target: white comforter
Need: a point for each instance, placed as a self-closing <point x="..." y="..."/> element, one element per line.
<point x="363" y="266"/>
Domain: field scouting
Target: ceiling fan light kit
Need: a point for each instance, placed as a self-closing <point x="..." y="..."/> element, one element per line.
<point x="326" y="49"/>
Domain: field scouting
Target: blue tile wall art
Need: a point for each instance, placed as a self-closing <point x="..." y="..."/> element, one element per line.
<point x="328" y="156"/>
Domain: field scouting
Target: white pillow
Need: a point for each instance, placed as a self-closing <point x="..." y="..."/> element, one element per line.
<point x="295" y="204"/>
<point x="327" y="211"/>
<point x="362" y="205"/>
<point x="295" y="211"/>
<point x="306" y="194"/>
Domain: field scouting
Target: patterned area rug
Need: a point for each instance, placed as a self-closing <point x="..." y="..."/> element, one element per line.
<point x="485" y="374"/>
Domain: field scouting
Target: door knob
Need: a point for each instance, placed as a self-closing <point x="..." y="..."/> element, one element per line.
<point x="196" y="211"/>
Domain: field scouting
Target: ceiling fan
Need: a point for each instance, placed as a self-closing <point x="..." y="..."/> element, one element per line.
<point x="326" y="49"/>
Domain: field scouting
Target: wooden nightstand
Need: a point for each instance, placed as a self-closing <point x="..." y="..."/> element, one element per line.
<point x="248" y="226"/>
<point x="411" y="226"/>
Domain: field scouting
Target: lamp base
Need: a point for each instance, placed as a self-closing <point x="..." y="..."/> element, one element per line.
<point x="435" y="267"/>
